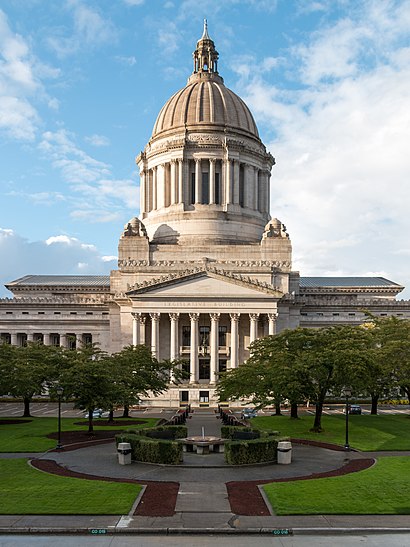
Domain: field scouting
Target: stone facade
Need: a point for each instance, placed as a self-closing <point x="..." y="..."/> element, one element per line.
<point x="204" y="270"/>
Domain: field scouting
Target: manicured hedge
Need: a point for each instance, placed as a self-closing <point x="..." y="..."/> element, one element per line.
<point x="144" y="449"/>
<point x="171" y="432"/>
<point x="235" y="433"/>
<point x="249" y="452"/>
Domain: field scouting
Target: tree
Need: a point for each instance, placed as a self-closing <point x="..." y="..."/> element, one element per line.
<point x="89" y="380"/>
<point x="26" y="370"/>
<point x="393" y="336"/>
<point x="138" y="374"/>
<point x="299" y="364"/>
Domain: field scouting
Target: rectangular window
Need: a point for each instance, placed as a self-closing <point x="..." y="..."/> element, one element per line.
<point x="192" y="188"/>
<point x="186" y="336"/>
<point x="217" y="189"/>
<point x="205" y="188"/>
<point x="204" y="396"/>
<point x="222" y="336"/>
<point x="241" y="186"/>
<point x="222" y="365"/>
<point x="204" y="369"/>
<point x="204" y="336"/>
<point x="184" y="396"/>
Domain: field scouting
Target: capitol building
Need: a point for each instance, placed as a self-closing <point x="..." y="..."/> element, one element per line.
<point x="204" y="270"/>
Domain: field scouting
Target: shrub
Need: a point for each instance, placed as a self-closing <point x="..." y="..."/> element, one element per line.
<point x="236" y="433"/>
<point x="144" y="449"/>
<point x="249" y="452"/>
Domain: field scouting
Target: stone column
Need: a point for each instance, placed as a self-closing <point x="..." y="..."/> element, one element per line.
<point x="194" y="361"/>
<point x="154" y="188"/>
<point x="63" y="340"/>
<point x="228" y="182"/>
<point x="135" y="329"/>
<point x="255" y="189"/>
<point x="142" y="320"/>
<point x="155" y="334"/>
<point x="234" y="339"/>
<point x="214" y="346"/>
<point x="174" y="350"/>
<point x="142" y="191"/>
<point x="272" y="323"/>
<point x="186" y="181"/>
<point x="180" y="198"/>
<point x="173" y="182"/>
<point x="198" y="181"/>
<point x="46" y="339"/>
<point x="236" y="166"/>
<point x="160" y="186"/>
<point x="30" y="337"/>
<point x="13" y="339"/>
<point x="212" y="181"/>
<point x="253" y="334"/>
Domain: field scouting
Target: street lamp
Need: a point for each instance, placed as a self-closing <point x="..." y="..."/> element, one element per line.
<point x="59" y="391"/>
<point x="347" y="393"/>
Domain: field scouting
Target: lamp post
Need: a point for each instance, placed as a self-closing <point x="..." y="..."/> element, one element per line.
<point x="347" y="393"/>
<point x="59" y="391"/>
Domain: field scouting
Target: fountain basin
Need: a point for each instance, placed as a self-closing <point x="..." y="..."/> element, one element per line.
<point x="203" y="444"/>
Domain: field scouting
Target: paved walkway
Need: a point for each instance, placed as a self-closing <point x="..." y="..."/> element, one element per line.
<point x="202" y="503"/>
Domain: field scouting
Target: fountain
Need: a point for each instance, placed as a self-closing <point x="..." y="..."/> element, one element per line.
<point x="203" y="444"/>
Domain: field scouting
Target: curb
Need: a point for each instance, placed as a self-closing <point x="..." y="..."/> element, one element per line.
<point x="278" y="532"/>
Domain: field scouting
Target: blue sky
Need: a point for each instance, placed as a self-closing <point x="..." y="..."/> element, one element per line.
<point x="81" y="84"/>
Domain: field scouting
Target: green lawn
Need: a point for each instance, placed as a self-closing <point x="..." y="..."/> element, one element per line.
<point x="366" y="432"/>
<point x="31" y="436"/>
<point x="381" y="490"/>
<point x="27" y="491"/>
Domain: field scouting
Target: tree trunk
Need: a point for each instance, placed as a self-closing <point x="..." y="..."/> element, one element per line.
<point x="317" y="426"/>
<point x="111" y="416"/>
<point x="277" y="410"/>
<point x="126" y="412"/>
<point x="90" y="422"/>
<point x="294" y="411"/>
<point x="26" y="413"/>
<point x="375" y="400"/>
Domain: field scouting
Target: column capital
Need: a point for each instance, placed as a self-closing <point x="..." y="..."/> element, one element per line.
<point x="194" y="316"/>
<point x="174" y="316"/>
<point x="272" y="316"/>
<point x="215" y="316"/>
<point x="212" y="160"/>
<point x="154" y="316"/>
<point x="234" y="316"/>
<point x="197" y="160"/>
<point x="254" y="316"/>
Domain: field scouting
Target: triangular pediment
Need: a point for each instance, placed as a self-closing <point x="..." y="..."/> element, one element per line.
<point x="204" y="283"/>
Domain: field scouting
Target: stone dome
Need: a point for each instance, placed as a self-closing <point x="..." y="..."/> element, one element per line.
<point x="203" y="102"/>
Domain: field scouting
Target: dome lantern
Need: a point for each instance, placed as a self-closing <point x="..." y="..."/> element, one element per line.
<point x="205" y="55"/>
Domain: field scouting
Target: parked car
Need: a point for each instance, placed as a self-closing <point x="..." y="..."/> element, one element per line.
<point x="97" y="413"/>
<point x="248" y="413"/>
<point x="353" y="409"/>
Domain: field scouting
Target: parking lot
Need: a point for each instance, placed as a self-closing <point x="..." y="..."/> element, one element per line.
<point x="68" y="410"/>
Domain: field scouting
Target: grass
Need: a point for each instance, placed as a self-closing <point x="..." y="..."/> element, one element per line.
<point x="27" y="491"/>
<point x="366" y="432"/>
<point x="31" y="436"/>
<point x="381" y="490"/>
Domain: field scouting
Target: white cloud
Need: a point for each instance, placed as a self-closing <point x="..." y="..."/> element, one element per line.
<point x="21" y="84"/>
<point x="105" y="196"/>
<point x="134" y="2"/>
<point x="98" y="140"/>
<point x="341" y="137"/>
<point x="60" y="254"/>
<point x="127" y="61"/>
<point x="89" y="29"/>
